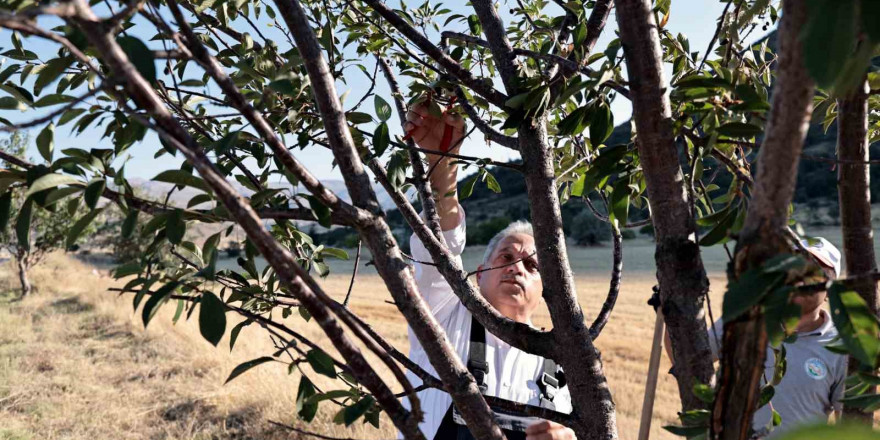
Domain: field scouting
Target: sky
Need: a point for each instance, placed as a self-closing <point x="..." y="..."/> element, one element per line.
<point x="696" y="19"/>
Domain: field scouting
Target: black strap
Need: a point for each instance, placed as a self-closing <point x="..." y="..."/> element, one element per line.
<point x="551" y="380"/>
<point x="476" y="363"/>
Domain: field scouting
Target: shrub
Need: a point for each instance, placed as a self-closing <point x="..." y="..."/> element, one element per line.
<point x="587" y="230"/>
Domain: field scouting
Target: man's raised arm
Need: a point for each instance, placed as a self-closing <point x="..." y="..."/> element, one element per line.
<point x="439" y="134"/>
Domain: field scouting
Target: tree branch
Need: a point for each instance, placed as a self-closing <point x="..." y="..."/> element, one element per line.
<point x="680" y="272"/>
<point x="487" y="130"/>
<point x="480" y="86"/>
<point x="237" y="100"/>
<point x="614" y="289"/>
<point x="499" y="45"/>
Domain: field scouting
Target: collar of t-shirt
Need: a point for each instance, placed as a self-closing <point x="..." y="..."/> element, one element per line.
<point x="827" y="325"/>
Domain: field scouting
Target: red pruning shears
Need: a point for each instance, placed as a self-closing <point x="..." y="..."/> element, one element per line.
<point x="446" y="140"/>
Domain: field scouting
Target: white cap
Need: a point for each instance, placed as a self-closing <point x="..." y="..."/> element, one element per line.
<point x="825" y="252"/>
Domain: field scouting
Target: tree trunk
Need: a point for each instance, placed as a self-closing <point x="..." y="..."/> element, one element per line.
<point x="853" y="183"/>
<point x="591" y="397"/>
<point x="23" y="276"/>
<point x="764" y="232"/>
<point x="683" y="282"/>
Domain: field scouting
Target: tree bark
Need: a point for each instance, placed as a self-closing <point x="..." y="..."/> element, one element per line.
<point x="764" y="232"/>
<point x="593" y="404"/>
<point x="23" y="275"/>
<point x="680" y="272"/>
<point x="853" y="183"/>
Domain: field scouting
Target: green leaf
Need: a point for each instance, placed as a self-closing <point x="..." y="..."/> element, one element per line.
<point x="492" y="183"/>
<point x="181" y="177"/>
<point x="381" y="139"/>
<point x="828" y="38"/>
<point x="383" y="109"/>
<point x="866" y="402"/>
<point x="686" y="431"/>
<point x="5" y="210"/>
<point x="695" y="417"/>
<point x="212" y="318"/>
<point x="129" y="224"/>
<point x="358" y="118"/>
<point x="767" y="393"/>
<point x="156" y="299"/>
<point x="704" y="392"/>
<point x="304" y="408"/>
<point x="210" y="246"/>
<point x="823" y="431"/>
<point x="284" y="86"/>
<point x="747" y="291"/>
<point x="573" y="124"/>
<point x="93" y="192"/>
<point x="739" y="130"/>
<point x="80" y="226"/>
<point x="354" y="412"/>
<point x="127" y="270"/>
<point x="178" y="311"/>
<point x="54" y="99"/>
<point x="334" y="394"/>
<point x="23" y="224"/>
<point x="336" y="253"/>
<point x="233" y="335"/>
<point x="241" y="368"/>
<point x="468" y="187"/>
<point x="719" y="234"/>
<point x="50" y="181"/>
<point x="50" y="72"/>
<point x="475" y="25"/>
<point x="46" y="142"/>
<point x="139" y="55"/>
<point x="321" y="211"/>
<point x="9" y="103"/>
<point x="397" y="168"/>
<point x="227" y="142"/>
<point x="856" y="324"/>
<point x="175" y="226"/>
<point x="601" y="125"/>
<point x="321" y="362"/>
<point x="620" y="201"/>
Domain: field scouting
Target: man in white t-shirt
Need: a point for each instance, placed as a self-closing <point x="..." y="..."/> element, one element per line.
<point x="515" y="290"/>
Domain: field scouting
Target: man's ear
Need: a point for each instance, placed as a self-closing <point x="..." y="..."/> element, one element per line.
<point x="479" y="273"/>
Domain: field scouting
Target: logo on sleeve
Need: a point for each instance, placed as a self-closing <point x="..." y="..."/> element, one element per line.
<point x="815" y="368"/>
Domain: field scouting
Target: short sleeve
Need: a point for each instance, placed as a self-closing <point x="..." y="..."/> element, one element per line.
<point x="837" y="388"/>
<point x="433" y="287"/>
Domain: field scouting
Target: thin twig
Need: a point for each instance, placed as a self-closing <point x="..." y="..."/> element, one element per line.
<point x="354" y="272"/>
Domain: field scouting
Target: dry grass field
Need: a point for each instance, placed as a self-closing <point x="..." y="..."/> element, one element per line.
<point x="76" y="363"/>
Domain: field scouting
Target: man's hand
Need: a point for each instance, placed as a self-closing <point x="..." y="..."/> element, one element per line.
<point x="439" y="134"/>
<point x="429" y="131"/>
<point x="547" y="430"/>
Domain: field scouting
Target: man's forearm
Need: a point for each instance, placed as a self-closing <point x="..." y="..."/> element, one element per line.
<point x="444" y="185"/>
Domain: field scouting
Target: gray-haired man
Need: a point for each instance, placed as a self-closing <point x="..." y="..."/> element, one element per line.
<point x="515" y="290"/>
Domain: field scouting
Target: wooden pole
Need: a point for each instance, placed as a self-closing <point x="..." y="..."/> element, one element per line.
<point x="653" y="374"/>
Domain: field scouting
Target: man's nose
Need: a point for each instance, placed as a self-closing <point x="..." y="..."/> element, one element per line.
<point x="516" y="267"/>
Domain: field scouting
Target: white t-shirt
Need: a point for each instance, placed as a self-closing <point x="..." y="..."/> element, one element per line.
<point x="512" y="372"/>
